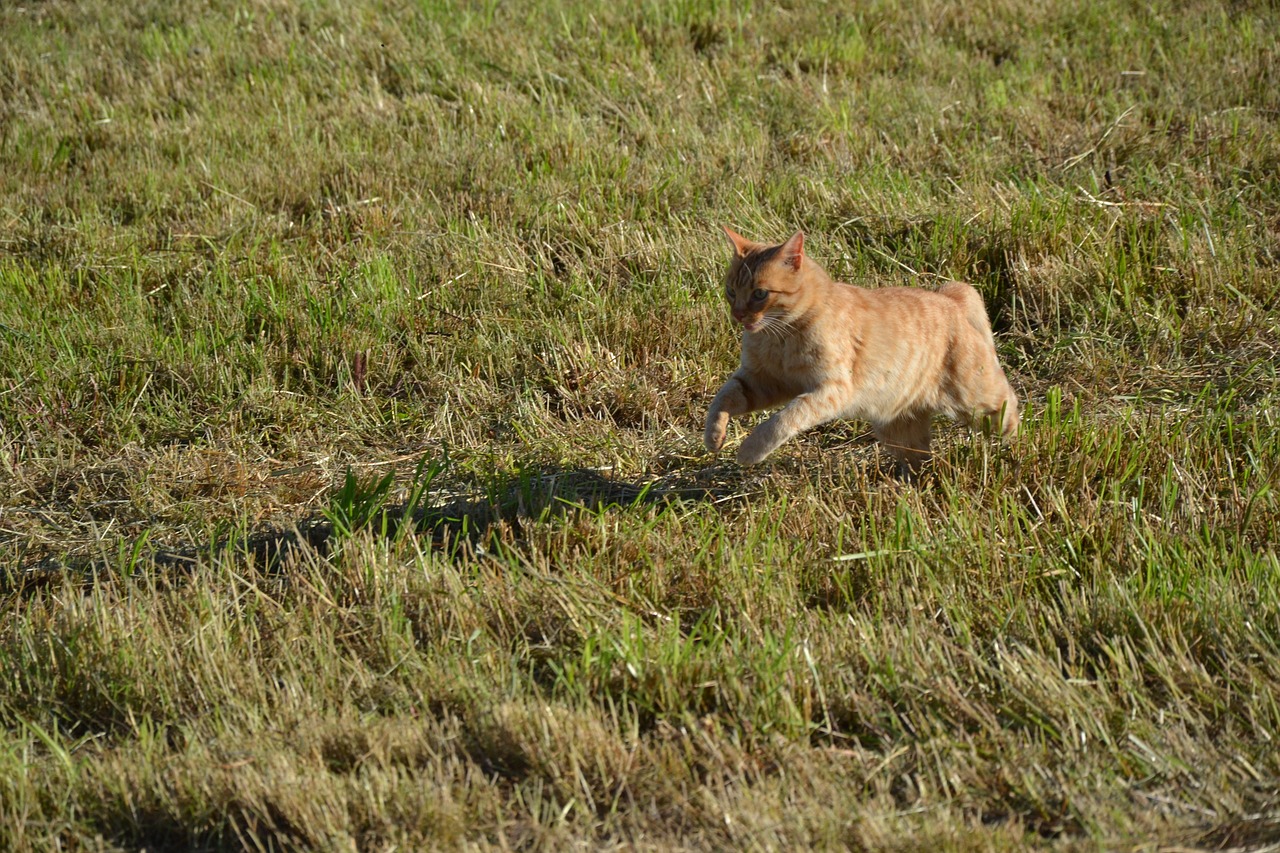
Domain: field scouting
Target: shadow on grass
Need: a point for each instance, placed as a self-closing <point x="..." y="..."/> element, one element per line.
<point x="457" y="519"/>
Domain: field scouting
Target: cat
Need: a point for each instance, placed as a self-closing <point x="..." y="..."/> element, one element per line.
<point x="893" y="356"/>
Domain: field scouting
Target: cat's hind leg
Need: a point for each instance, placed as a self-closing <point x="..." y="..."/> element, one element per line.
<point x="994" y="407"/>
<point x="988" y="400"/>
<point x="1005" y="412"/>
<point x="907" y="438"/>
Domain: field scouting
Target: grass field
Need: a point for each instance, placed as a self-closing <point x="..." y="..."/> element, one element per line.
<point x="353" y="361"/>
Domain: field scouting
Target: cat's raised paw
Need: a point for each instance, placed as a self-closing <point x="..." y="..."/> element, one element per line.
<point x="713" y="435"/>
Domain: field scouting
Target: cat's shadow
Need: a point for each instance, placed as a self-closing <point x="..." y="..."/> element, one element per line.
<point x="457" y="519"/>
<point x="460" y="519"/>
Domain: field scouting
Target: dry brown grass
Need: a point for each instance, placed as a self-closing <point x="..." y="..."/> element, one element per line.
<point x="245" y="249"/>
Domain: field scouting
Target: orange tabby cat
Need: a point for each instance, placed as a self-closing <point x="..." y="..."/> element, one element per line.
<point x="895" y="356"/>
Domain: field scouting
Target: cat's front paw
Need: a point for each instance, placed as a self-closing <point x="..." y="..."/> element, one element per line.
<point x="752" y="452"/>
<point x="717" y="427"/>
<point x="762" y="441"/>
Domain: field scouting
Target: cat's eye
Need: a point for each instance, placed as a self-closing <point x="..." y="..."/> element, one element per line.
<point x="759" y="295"/>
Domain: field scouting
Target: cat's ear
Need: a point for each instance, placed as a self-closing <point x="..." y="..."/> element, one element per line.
<point x="792" y="251"/>
<point x="740" y="244"/>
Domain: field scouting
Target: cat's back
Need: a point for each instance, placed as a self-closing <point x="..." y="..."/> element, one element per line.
<point x="910" y="307"/>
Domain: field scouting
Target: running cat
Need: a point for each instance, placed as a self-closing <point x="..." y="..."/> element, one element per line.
<point x="893" y="356"/>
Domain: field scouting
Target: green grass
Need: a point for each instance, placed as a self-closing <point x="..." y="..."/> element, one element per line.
<point x="353" y="361"/>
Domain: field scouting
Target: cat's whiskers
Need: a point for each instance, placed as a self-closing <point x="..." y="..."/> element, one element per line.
<point x="777" y="325"/>
<point x="775" y="330"/>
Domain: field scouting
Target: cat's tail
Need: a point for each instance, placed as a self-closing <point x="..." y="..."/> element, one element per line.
<point x="975" y="311"/>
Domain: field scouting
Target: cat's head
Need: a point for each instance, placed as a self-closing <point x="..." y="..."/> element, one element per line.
<point x="763" y="281"/>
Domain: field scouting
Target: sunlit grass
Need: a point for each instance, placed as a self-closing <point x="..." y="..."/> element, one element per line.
<point x="353" y="361"/>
